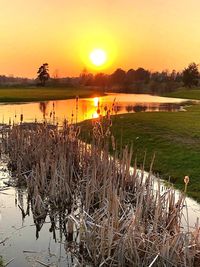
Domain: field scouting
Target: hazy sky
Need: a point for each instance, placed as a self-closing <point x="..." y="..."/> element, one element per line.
<point x="155" y="34"/>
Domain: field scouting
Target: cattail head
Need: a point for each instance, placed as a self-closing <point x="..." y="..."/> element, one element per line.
<point x="21" y="118"/>
<point x="186" y="179"/>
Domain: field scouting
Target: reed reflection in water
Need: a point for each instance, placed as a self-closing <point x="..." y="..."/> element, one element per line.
<point x="87" y="108"/>
<point x="89" y="197"/>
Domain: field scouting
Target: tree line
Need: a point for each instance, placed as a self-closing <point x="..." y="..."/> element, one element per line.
<point x="143" y="80"/>
<point x="138" y="81"/>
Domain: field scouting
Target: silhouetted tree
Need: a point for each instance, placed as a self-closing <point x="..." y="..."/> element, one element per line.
<point x="191" y="75"/>
<point x="118" y="77"/>
<point x="142" y="75"/>
<point x="156" y="76"/>
<point x="130" y="76"/>
<point x="179" y="77"/>
<point x="86" y="78"/>
<point x="43" y="73"/>
<point x="173" y="75"/>
<point x="165" y="76"/>
<point x="101" y="79"/>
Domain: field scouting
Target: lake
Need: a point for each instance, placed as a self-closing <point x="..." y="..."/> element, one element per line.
<point x="77" y="110"/>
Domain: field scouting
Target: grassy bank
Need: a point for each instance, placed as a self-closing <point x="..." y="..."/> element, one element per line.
<point x="183" y="92"/>
<point x="31" y="94"/>
<point x="173" y="137"/>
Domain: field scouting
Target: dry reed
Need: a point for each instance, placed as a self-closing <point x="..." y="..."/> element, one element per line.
<point x="108" y="215"/>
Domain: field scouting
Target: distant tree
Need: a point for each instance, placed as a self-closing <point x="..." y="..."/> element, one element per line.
<point x="173" y="75"/>
<point x="130" y="76"/>
<point x="179" y="77"/>
<point x="118" y="77"/>
<point x="43" y="73"/>
<point x="164" y="75"/>
<point x="56" y="74"/>
<point x="191" y="75"/>
<point x="142" y="75"/>
<point x="83" y="76"/>
<point x="156" y="76"/>
<point x="86" y="78"/>
<point x="101" y="79"/>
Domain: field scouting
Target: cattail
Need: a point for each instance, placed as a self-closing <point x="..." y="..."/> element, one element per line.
<point x="113" y="142"/>
<point x="114" y="214"/>
<point x="21" y="118"/>
<point x="186" y="181"/>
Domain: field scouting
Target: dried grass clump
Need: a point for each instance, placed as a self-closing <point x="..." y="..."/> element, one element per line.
<point x="108" y="215"/>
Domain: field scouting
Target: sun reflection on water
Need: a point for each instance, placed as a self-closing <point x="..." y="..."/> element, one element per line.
<point x="86" y="108"/>
<point x="96" y="101"/>
<point x="95" y="115"/>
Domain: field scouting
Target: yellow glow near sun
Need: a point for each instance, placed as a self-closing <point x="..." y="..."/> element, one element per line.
<point x="98" y="57"/>
<point x="98" y="50"/>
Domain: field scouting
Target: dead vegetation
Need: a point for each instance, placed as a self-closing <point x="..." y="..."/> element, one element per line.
<point x="108" y="215"/>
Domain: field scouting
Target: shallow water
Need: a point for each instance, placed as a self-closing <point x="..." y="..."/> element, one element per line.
<point x="191" y="209"/>
<point x="18" y="236"/>
<point x="87" y="108"/>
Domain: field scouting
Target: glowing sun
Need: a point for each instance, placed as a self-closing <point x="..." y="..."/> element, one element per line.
<point x="98" y="57"/>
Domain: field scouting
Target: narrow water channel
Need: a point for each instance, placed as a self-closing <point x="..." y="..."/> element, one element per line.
<point x="19" y="242"/>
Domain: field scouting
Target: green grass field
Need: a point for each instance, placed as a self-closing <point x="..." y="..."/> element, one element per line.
<point x="173" y="137"/>
<point x="43" y="93"/>
<point x="188" y="93"/>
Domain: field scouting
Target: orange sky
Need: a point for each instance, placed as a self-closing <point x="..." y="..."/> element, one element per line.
<point x="154" y="34"/>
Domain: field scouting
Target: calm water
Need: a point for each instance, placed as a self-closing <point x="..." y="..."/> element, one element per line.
<point x="20" y="242"/>
<point x="87" y="108"/>
<point x="19" y="236"/>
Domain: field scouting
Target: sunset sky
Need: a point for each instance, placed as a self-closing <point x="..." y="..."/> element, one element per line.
<point x="154" y="34"/>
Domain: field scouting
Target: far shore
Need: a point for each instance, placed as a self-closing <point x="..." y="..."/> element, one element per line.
<point x="37" y="94"/>
<point x="22" y="94"/>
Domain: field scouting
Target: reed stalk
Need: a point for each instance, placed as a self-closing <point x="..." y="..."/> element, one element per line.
<point x="109" y="215"/>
